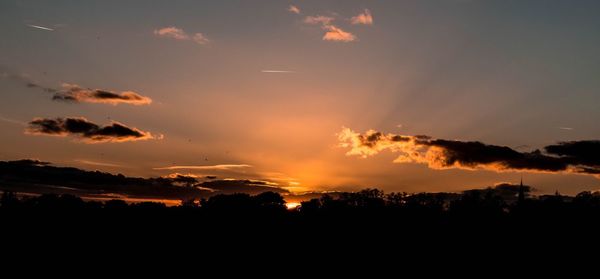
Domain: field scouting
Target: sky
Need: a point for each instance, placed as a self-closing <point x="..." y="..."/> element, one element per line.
<point x="287" y="91"/>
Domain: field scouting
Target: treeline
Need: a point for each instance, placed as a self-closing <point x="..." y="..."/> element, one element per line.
<point x="366" y="219"/>
<point x="487" y="204"/>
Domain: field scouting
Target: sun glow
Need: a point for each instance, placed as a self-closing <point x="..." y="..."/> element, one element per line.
<point x="292" y="205"/>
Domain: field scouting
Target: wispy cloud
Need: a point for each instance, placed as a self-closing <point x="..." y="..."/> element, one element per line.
<point x="337" y="34"/>
<point x="566" y="128"/>
<point x="86" y="131"/>
<point x="323" y="20"/>
<point x="294" y="9"/>
<point x="40" y="27"/>
<point x="173" y="32"/>
<point x="363" y="18"/>
<point x="25" y="80"/>
<point x="211" y="167"/>
<point x="94" y="163"/>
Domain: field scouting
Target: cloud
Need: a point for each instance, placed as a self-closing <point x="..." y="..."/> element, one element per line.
<point x="252" y="187"/>
<point x="337" y="34"/>
<point x="178" y="34"/>
<point x="32" y="176"/>
<point x="26" y="81"/>
<point x="323" y="20"/>
<point x="76" y="93"/>
<point x="85" y="130"/>
<point x="100" y="164"/>
<point x="294" y="9"/>
<point x="332" y="32"/>
<point x="363" y="18"/>
<point x="176" y="174"/>
<point x="172" y="32"/>
<point x="574" y="157"/>
<point x="212" y="167"/>
<point x="566" y="128"/>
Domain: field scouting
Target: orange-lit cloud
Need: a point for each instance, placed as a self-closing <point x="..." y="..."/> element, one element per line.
<point x="332" y="32"/>
<point x="173" y="32"/>
<point x="86" y="131"/>
<point x="211" y="167"/>
<point x="575" y="157"/>
<point x="323" y="20"/>
<point x="100" y="164"/>
<point x="337" y="34"/>
<point x="363" y="18"/>
<point x="294" y="9"/>
<point x="76" y="93"/>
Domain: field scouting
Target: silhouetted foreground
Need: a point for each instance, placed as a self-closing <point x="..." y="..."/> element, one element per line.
<point x="354" y="228"/>
<point x="369" y="211"/>
<point x="489" y="220"/>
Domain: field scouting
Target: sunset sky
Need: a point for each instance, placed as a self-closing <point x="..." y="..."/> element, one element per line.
<point x="284" y="91"/>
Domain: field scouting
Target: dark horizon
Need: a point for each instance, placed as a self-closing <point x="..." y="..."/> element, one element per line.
<point x="33" y="177"/>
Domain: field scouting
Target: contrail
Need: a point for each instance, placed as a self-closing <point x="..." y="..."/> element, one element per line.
<point x="13" y="121"/>
<point x="40" y="27"/>
<point x="277" y="71"/>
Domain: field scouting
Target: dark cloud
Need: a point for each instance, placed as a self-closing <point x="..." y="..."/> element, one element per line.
<point x="34" y="176"/>
<point x="507" y="191"/>
<point x="77" y="94"/>
<point x="229" y="186"/>
<point x="86" y="130"/>
<point x="473" y="154"/>
<point x="30" y="162"/>
<point x="574" y="156"/>
<point x="578" y="152"/>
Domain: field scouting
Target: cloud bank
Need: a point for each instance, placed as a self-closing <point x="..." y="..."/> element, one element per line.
<point x="212" y="167"/>
<point x="581" y="157"/>
<point x="85" y="130"/>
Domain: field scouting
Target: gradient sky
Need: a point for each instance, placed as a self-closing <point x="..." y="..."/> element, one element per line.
<point x="522" y="74"/>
